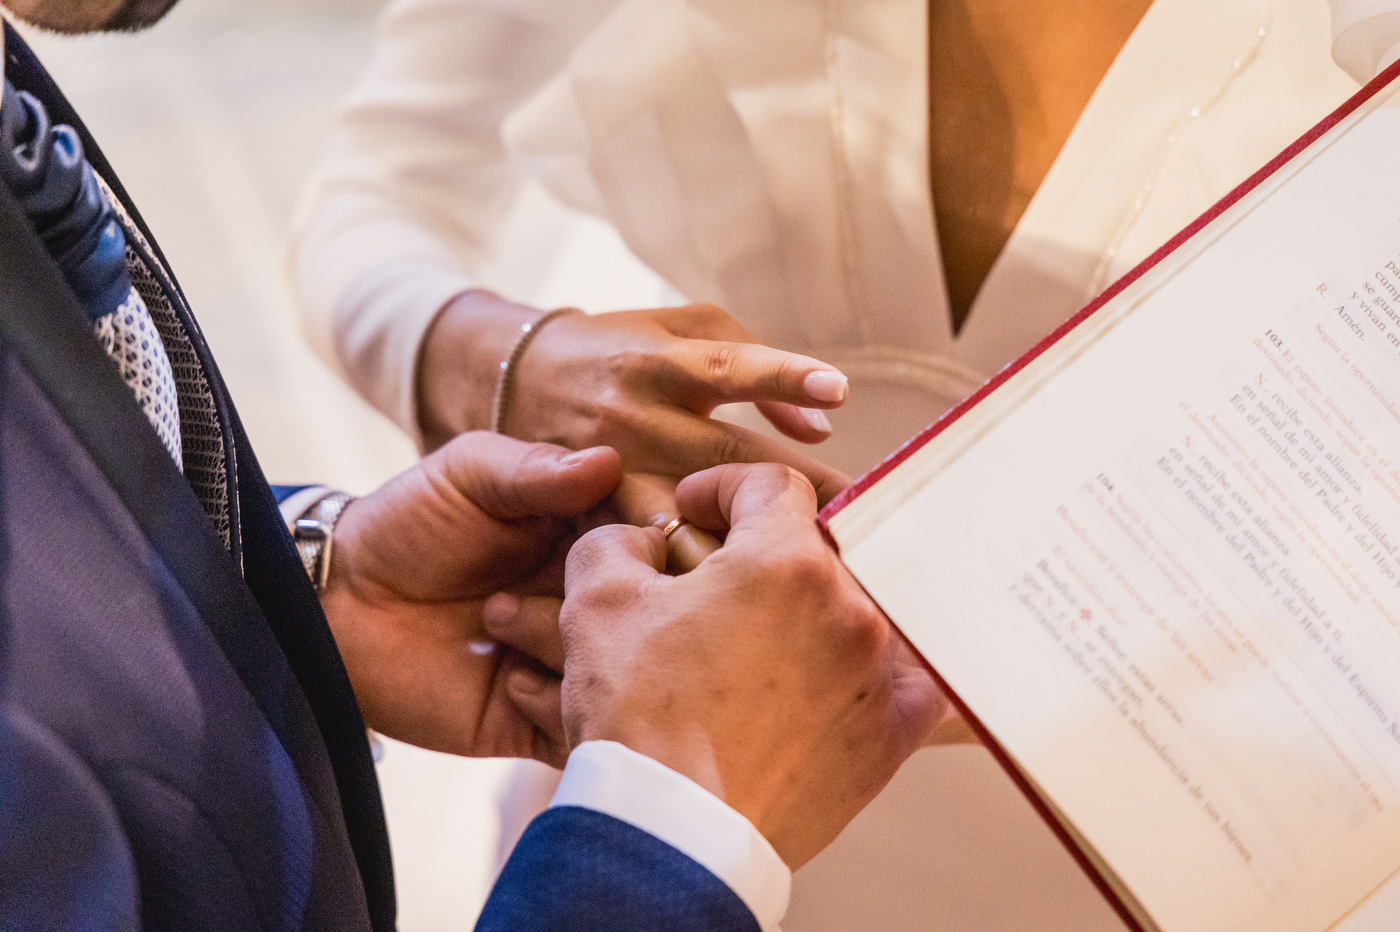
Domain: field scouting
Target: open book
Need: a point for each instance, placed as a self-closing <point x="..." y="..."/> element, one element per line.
<point x="1157" y="559"/>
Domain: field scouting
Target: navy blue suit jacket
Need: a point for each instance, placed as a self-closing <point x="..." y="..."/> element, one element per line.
<point x="179" y="744"/>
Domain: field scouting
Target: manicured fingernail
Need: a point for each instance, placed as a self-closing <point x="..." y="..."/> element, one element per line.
<point x="500" y="609"/>
<point x="816" y="419"/>
<point x="825" y="385"/>
<point x="579" y="456"/>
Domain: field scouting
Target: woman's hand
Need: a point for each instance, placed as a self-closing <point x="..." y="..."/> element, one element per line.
<point x="641" y="382"/>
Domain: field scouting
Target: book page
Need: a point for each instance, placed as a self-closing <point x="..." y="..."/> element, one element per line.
<point x="1166" y="573"/>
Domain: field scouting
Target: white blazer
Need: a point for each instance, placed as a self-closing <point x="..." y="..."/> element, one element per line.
<point x="770" y="156"/>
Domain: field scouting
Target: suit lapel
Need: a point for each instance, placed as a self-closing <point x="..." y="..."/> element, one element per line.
<point x="45" y="328"/>
<point x="270" y="626"/>
<point x="25" y="71"/>
<point x="276" y="577"/>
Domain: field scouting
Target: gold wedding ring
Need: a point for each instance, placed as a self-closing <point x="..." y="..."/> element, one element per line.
<point x="686" y="545"/>
<point x="650" y="500"/>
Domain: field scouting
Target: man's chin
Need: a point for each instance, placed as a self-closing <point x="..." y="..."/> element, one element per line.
<point x="77" y="16"/>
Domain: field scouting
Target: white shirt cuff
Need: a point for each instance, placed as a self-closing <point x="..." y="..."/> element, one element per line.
<point x="295" y="505"/>
<point x="615" y="780"/>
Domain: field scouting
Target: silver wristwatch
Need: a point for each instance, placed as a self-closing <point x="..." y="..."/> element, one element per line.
<point x="314" y="533"/>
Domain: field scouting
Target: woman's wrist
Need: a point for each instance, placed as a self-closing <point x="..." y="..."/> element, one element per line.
<point x="459" y="363"/>
<point x="506" y="376"/>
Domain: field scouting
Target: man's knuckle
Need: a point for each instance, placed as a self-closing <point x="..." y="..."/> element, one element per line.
<point x="584" y="555"/>
<point x="812" y="569"/>
<point x="534" y="456"/>
<point x="797" y="571"/>
<point x="866" y="629"/>
<point x="793" y="477"/>
<point x="580" y="600"/>
<point x="777" y="474"/>
<point x="513" y="494"/>
<point x="597" y="542"/>
<point x="782" y="479"/>
<point x="605" y="598"/>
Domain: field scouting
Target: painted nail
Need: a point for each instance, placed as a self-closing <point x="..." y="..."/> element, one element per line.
<point x="825" y="385"/>
<point x="816" y="419"/>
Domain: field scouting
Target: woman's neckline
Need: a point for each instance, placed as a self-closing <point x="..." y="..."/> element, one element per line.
<point x="1007" y="83"/>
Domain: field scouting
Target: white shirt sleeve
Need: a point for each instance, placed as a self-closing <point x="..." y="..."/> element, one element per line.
<point x="613" y="779"/>
<point x="1365" y="36"/>
<point x="415" y="183"/>
<point x="295" y="505"/>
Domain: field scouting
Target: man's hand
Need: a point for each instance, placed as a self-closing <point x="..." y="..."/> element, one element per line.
<point x="766" y="675"/>
<point x="418" y="576"/>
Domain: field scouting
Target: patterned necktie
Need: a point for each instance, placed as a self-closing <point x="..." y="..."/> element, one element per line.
<point x="44" y="168"/>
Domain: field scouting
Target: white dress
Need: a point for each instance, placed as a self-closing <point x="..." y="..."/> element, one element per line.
<point x="771" y="157"/>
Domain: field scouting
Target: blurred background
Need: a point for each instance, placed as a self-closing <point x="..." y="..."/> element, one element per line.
<point x="213" y="120"/>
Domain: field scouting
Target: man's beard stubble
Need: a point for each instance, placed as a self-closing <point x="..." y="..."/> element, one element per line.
<point x="75" y="16"/>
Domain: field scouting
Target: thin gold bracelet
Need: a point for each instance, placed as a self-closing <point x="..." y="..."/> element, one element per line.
<point x="505" y="381"/>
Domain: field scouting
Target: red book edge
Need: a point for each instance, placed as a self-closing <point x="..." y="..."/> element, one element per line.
<point x="856" y="489"/>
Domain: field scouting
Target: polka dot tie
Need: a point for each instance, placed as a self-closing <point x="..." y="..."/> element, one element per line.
<point x="129" y="336"/>
<point x="44" y="168"/>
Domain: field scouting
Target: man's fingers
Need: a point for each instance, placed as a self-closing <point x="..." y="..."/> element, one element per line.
<point x="767" y="499"/>
<point x="699" y="444"/>
<point x="536" y="696"/>
<point x="613" y="560"/>
<point x="529" y="624"/>
<point x="508" y="479"/>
